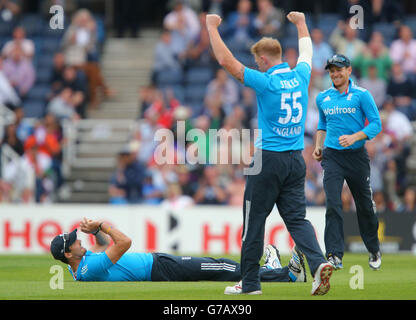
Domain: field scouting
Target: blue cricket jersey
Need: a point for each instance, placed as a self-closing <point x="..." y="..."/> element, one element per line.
<point x="98" y="267"/>
<point x="282" y="100"/>
<point x="346" y="113"/>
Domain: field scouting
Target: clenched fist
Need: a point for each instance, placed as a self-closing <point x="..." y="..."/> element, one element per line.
<point x="213" y="20"/>
<point x="296" y="17"/>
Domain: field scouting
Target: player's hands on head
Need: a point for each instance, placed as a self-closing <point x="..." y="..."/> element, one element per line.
<point x="89" y="225"/>
<point x="296" y="17"/>
<point x="213" y="20"/>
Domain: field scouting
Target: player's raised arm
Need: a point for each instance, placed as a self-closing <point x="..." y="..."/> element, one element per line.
<point x="223" y="55"/>
<point x="305" y="42"/>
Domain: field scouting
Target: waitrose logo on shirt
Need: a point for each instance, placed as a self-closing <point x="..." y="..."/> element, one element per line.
<point x="337" y="110"/>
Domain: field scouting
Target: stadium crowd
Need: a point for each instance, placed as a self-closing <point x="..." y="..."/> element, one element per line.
<point x="47" y="76"/>
<point x="188" y="85"/>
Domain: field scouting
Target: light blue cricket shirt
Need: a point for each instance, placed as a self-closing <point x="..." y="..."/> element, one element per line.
<point x="346" y="113"/>
<point x="132" y="266"/>
<point x="282" y="100"/>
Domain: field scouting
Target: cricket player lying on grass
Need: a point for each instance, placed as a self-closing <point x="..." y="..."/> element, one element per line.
<point x="114" y="263"/>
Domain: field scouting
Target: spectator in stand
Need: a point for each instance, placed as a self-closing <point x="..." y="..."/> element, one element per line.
<point x="19" y="40"/>
<point x="345" y="41"/>
<point x="80" y="48"/>
<point x="184" y="24"/>
<point x="11" y="139"/>
<point x="58" y="68"/>
<point x="163" y="107"/>
<point x="239" y="31"/>
<point x="216" y="7"/>
<point x="126" y="184"/>
<point x="23" y="127"/>
<point x="199" y="51"/>
<point x="291" y="57"/>
<point x="236" y="188"/>
<point x="210" y="191"/>
<point x="409" y="200"/>
<point x="175" y="199"/>
<point x="403" y="50"/>
<point x="214" y="110"/>
<point x="46" y="141"/>
<point x="53" y="128"/>
<point x="314" y="191"/>
<point x="397" y="125"/>
<point x="185" y="181"/>
<point x="386" y="11"/>
<point x="374" y="84"/>
<point x="8" y="95"/>
<point x="41" y="163"/>
<point x="375" y="53"/>
<point x="270" y="20"/>
<point x="9" y="10"/>
<point x="165" y="57"/>
<point x="74" y="80"/>
<point x="223" y="88"/>
<point x="19" y="71"/>
<point x="63" y="106"/>
<point x="378" y="162"/>
<point x="151" y="194"/>
<point x="401" y="89"/>
<point x="322" y="51"/>
<point x="249" y="105"/>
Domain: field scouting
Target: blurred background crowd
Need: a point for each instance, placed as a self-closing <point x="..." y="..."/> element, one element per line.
<point x="49" y="76"/>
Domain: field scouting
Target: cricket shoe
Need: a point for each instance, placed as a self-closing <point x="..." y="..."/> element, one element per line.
<point x="238" y="289"/>
<point x="374" y="260"/>
<point x="335" y="261"/>
<point x="297" y="271"/>
<point x="320" y="284"/>
<point x="272" y="259"/>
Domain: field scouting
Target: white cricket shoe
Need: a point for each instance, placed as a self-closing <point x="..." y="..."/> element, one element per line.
<point x="297" y="271"/>
<point x="374" y="260"/>
<point x="320" y="284"/>
<point x="238" y="289"/>
<point x="272" y="260"/>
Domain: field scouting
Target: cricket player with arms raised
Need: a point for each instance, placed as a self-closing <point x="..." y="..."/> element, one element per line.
<point x="282" y="99"/>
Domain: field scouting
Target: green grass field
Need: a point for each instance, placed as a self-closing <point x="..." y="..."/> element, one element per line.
<point x="27" y="277"/>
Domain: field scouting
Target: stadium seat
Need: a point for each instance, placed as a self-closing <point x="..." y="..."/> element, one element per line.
<point x="169" y="78"/>
<point x="32" y="23"/>
<point x="387" y="30"/>
<point x="34" y="109"/>
<point x="38" y="92"/>
<point x="43" y="75"/>
<point x="194" y="94"/>
<point x="51" y="44"/>
<point x="198" y="76"/>
<point x="246" y="59"/>
<point x="411" y="22"/>
<point x="6" y="28"/>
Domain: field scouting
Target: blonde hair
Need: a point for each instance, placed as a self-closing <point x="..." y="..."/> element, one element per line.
<point x="267" y="46"/>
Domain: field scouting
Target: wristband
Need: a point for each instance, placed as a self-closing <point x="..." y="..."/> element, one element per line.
<point x="98" y="230"/>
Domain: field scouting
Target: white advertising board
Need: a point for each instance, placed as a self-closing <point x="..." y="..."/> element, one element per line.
<point x="208" y="230"/>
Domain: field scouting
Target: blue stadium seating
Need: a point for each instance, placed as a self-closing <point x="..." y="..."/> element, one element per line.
<point x="194" y="93"/>
<point x="38" y="92"/>
<point x="169" y="77"/>
<point x="32" y="23"/>
<point x="387" y="30"/>
<point x="34" y="109"/>
<point x="198" y="75"/>
<point x="6" y="28"/>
